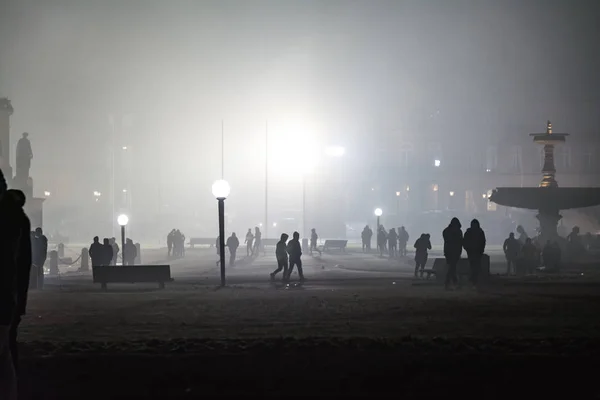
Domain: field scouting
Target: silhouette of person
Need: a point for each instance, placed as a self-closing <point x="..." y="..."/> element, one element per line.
<point x="313" y="241"/>
<point x="403" y="238"/>
<point x="257" y="241"/>
<point x="282" y="257"/>
<point x="39" y="251"/>
<point x="218" y="245"/>
<point x="366" y="236"/>
<point x="381" y="239"/>
<point x="115" y="251"/>
<point x="24" y="156"/>
<point x="249" y="242"/>
<point x="453" y="242"/>
<point x="392" y="242"/>
<point x="129" y="253"/>
<point x="421" y="246"/>
<point x="511" y="248"/>
<point x="294" y="249"/>
<point x="170" y="238"/>
<point x="232" y="243"/>
<point x="97" y="253"/>
<point x="108" y="258"/>
<point x="474" y="244"/>
<point x="10" y="241"/>
<point x="24" y="260"/>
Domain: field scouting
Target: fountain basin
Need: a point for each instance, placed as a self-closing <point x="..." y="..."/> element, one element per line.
<point x="546" y="198"/>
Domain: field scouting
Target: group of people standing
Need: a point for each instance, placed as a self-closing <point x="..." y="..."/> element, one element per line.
<point x="393" y="242"/>
<point x="107" y="252"/>
<point x="473" y="242"/>
<point x="15" y="269"/>
<point x="175" y="244"/>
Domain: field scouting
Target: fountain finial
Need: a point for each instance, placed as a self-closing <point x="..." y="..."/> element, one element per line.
<point x="549" y="128"/>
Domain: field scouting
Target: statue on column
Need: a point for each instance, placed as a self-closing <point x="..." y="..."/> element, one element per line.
<point x="24" y="156"/>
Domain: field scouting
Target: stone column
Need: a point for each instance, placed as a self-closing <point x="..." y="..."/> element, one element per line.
<point x="6" y="111"/>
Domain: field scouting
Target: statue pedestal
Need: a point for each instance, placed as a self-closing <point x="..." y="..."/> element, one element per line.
<point x="35" y="211"/>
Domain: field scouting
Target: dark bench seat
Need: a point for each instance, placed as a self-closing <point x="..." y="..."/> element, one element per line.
<point x="132" y="274"/>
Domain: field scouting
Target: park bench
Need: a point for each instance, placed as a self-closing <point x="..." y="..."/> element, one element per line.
<point x="132" y="274"/>
<point x="335" y="244"/>
<point x="203" y="241"/>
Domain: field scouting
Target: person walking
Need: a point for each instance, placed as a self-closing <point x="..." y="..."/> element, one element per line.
<point x="232" y="243"/>
<point x="282" y="257"/>
<point x="294" y="249"/>
<point x="421" y="246"/>
<point x="249" y="242"/>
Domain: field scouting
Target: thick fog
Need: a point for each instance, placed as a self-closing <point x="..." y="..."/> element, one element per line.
<point x="150" y="90"/>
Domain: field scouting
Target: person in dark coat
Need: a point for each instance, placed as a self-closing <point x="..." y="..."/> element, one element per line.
<point x="294" y="249"/>
<point x="10" y="278"/>
<point x="232" y="243"/>
<point x="453" y="242"/>
<point x="108" y="256"/>
<point x="511" y="248"/>
<point x="97" y="253"/>
<point x="170" y="239"/>
<point x="392" y="239"/>
<point x="402" y="241"/>
<point x="282" y="257"/>
<point x="366" y="236"/>
<point x="129" y="253"/>
<point x="474" y="244"/>
<point x="40" y="249"/>
<point x="24" y="261"/>
<point x="313" y="241"/>
<point x="421" y="246"/>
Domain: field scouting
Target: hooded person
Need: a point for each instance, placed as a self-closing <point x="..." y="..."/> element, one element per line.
<point x="453" y="242"/>
<point x="232" y="243"/>
<point x="474" y="244"/>
<point x="282" y="257"/>
<point x="421" y="246"/>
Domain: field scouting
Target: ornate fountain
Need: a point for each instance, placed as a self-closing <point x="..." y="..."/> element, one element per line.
<point x="548" y="198"/>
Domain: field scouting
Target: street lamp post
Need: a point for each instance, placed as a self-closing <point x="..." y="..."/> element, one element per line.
<point x="378" y="213"/>
<point x="122" y="220"/>
<point x="221" y="189"/>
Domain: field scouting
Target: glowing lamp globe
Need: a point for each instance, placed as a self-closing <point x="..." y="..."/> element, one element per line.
<point x="378" y="212"/>
<point x="221" y="189"/>
<point x="122" y="220"/>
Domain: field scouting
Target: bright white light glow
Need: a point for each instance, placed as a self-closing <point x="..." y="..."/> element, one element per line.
<point x="397" y="193"/>
<point x="97" y="193"/>
<point x="221" y="189"/>
<point x="122" y="220"/>
<point x="435" y="187"/>
<point x="488" y="170"/>
<point x="124" y="190"/>
<point x="451" y="194"/>
<point x="378" y="212"/>
<point x="260" y="225"/>
<point x="124" y="147"/>
<point x="335" y="151"/>
<point x="274" y="224"/>
<point x="408" y="188"/>
<point x="292" y="136"/>
<point x="437" y="163"/>
<point x="47" y="193"/>
<point x="484" y="196"/>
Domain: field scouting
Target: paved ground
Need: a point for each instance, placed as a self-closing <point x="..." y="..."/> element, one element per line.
<point x="360" y="325"/>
